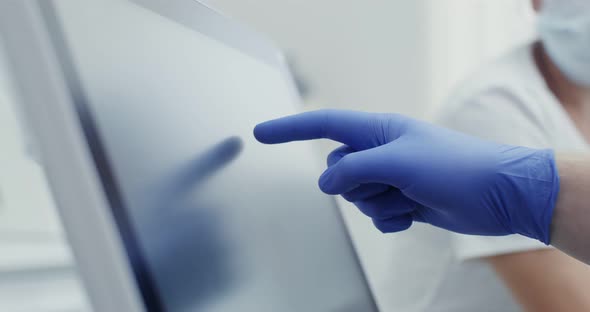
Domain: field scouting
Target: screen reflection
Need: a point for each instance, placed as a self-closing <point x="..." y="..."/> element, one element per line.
<point x="192" y="258"/>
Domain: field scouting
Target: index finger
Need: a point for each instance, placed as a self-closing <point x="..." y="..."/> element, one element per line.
<point x="355" y="129"/>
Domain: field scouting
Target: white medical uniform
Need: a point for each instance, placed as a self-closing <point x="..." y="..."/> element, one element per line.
<point x="428" y="269"/>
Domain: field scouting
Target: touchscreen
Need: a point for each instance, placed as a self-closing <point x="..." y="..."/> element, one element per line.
<point x="214" y="221"/>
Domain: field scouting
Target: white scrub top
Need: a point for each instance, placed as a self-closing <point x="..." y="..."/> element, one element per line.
<point x="428" y="269"/>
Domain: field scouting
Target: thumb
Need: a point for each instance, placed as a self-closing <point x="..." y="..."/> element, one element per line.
<point x="351" y="171"/>
<point x="385" y="164"/>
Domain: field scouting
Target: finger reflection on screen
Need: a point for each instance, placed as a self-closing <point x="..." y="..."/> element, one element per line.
<point x="183" y="232"/>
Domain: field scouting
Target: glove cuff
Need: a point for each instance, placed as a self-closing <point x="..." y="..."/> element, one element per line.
<point x="534" y="180"/>
<point x="547" y="205"/>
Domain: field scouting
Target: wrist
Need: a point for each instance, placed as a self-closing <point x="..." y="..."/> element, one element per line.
<point x="570" y="204"/>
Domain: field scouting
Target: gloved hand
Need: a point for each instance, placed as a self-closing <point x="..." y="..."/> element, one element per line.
<point x="398" y="170"/>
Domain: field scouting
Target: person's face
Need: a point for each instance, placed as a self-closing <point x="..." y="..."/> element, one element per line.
<point x="564" y="29"/>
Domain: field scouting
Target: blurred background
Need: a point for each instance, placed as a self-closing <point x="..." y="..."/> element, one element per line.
<point x="373" y="55"/>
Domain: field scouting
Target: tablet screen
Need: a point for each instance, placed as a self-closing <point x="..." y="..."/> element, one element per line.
<point x="211" y="219"/>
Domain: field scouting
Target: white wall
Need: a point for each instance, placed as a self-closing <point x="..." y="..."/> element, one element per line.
<point x="356" y="54"/>
<point x="464" y="34"/>
<point x="386" y="55"/>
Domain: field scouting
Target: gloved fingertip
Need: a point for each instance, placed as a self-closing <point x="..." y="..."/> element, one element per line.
<point x="393" y="225"/>
<point x="338" y="154"/>
<point x="261" y="133"/>
<point x="326" y="182"/>
<point x="333" y="158"/>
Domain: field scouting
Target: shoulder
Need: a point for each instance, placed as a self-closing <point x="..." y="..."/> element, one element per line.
<point x="506" y="95"/>
<point x="510" y="82"/>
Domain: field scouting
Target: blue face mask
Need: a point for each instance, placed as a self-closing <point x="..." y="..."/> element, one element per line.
<point x="564" y="28"/>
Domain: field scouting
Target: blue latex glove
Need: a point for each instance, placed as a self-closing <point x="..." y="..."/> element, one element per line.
<point x="398" y="170"/>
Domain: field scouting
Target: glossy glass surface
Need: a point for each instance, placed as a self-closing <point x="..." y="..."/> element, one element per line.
<point x="221" y="222"/>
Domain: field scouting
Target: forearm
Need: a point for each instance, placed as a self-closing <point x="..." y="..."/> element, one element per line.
<point x="570" y="228"/>
<point x="544" y="280"/>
